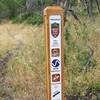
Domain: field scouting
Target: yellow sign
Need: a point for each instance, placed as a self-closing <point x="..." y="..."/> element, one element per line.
<point x="54" y="42"/>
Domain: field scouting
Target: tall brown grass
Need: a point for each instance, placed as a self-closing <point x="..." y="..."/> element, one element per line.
<point x="26" y="70"/>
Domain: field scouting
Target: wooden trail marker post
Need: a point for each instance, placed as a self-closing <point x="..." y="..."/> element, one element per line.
<point x="54" y="42"/>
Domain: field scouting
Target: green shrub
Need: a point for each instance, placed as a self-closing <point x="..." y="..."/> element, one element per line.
<point x="67" y="42"/>
<point x="66" y="32"/>
<point x="4" y="11"/>
<point x="20" y="18"/>
<point x="94" y="87"/>
<point x="28" y="19"/>
<point x="35" y="19"/>
<point x="82" y="30"/>
<point x="82" y="58"/>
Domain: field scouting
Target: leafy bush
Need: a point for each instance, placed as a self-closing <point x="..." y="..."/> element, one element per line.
<point x="29" y="19"/>
<point x="82" y="58"/>
<point x="20" y="18"/>
<point x="35" y="19"/>
<point x="4" y="11"/>
<point x="12" y="6"/>
<point x="94" y="87"/>
<point x="66" y="32"/>
<point x="67" y="41"/>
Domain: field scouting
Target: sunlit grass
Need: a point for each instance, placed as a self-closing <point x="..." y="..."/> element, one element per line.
<point x="82" y="37"/>
<point x="26" y="69"/>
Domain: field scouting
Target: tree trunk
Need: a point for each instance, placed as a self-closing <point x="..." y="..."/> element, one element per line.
<point x="30" y="5"/>
<point x="90" y="8"/>
<point x="98" y="3"/>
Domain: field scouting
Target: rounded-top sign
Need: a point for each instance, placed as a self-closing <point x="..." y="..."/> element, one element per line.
<point x="54" y="29"/>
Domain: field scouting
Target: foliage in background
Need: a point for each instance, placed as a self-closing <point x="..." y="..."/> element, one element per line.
<point x="25" y="76"/>
<point x="20" y="10"/>
<point x="80" y="60"/>
<point x="28" y="11"/>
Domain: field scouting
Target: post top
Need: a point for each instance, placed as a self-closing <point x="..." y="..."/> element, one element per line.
<point x="52" y="8"/>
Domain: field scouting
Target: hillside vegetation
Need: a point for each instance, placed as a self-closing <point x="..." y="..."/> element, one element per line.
<point x="22" y="49"/>
<point x="23" y="77"/>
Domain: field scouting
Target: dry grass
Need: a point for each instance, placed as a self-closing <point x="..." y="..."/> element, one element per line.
<point x="76" y="81"/>
<point x="26" y="70"/>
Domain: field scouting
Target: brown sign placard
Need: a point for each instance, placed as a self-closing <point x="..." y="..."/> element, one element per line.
<point x="54" y="43"/>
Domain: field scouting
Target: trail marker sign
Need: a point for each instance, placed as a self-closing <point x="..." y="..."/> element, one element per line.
<point x="54" y="42"/>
